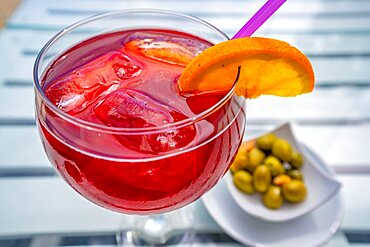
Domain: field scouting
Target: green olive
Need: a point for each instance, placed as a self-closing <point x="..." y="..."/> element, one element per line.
<point x="273" y="198"/>
<point x="297" y="160"/>
<point x="265" y="142"/>
<point x="275" y="165"/>
<point x="243" y="181"/>
<point x="295" y="174"/>
<point x="261" y="178"/>
<point x="240" y="162"/>
<point x="282" y="149"/>
<point x="255" y="158"/>
<point x="294" y="191"/>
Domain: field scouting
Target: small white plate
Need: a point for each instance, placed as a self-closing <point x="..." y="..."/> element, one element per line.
<point x="321" y="186"/>
<point x="312" y="229"/>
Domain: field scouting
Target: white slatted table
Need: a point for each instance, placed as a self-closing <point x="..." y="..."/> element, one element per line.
<point x="38" y="209"/>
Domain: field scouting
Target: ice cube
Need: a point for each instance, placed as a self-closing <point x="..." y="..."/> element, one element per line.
<point x="129" y="108"/>
<point x="72" y="101"/>
<point x="76" y="91"/>
<point x="124" y="72"/>
<point x="110" y="68"/>
<point x="170" y="48"/>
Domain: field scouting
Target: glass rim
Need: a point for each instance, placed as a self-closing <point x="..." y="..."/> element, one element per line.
<point x="115" y="130"/>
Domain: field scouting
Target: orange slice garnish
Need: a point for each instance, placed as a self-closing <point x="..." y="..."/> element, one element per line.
<point x="260" y="66"/>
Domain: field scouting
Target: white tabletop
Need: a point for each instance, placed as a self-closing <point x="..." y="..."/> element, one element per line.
<point x="38" y="209"/>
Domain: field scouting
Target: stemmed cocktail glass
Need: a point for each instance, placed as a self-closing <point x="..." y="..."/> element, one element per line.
<point x="88" y="155"/>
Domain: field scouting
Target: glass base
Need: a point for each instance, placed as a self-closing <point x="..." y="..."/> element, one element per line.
<point x="172" y="228"/>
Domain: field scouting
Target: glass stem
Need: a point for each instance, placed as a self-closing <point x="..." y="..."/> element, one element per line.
<point x="159" y="230"/>
<point x="154" y="229"/>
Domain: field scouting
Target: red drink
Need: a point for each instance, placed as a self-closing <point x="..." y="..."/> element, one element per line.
<point x="123" y="136"/>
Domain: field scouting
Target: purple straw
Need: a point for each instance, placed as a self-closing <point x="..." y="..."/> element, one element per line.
<point x="267" y="10"/>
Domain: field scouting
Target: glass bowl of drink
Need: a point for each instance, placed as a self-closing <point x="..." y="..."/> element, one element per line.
<point x="116" y="128"/>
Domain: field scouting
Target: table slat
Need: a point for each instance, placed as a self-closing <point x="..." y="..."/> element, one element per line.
<point x="343" y="104"/>
<point x="64" y="206"/>
<point x="56" y="15"/>
<point x="24" y="149"/>
<point x="332" y="71"/>
<point x="218" y="7"/>
<point x="29" y="43"/>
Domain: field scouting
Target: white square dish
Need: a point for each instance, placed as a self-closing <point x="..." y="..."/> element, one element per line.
<point x="321" y="186"/>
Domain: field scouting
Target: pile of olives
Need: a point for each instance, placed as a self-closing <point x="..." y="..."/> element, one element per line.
<point x="271" y="167"/>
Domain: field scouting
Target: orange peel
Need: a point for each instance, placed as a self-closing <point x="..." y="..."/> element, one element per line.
<point x="261" y="66"/>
